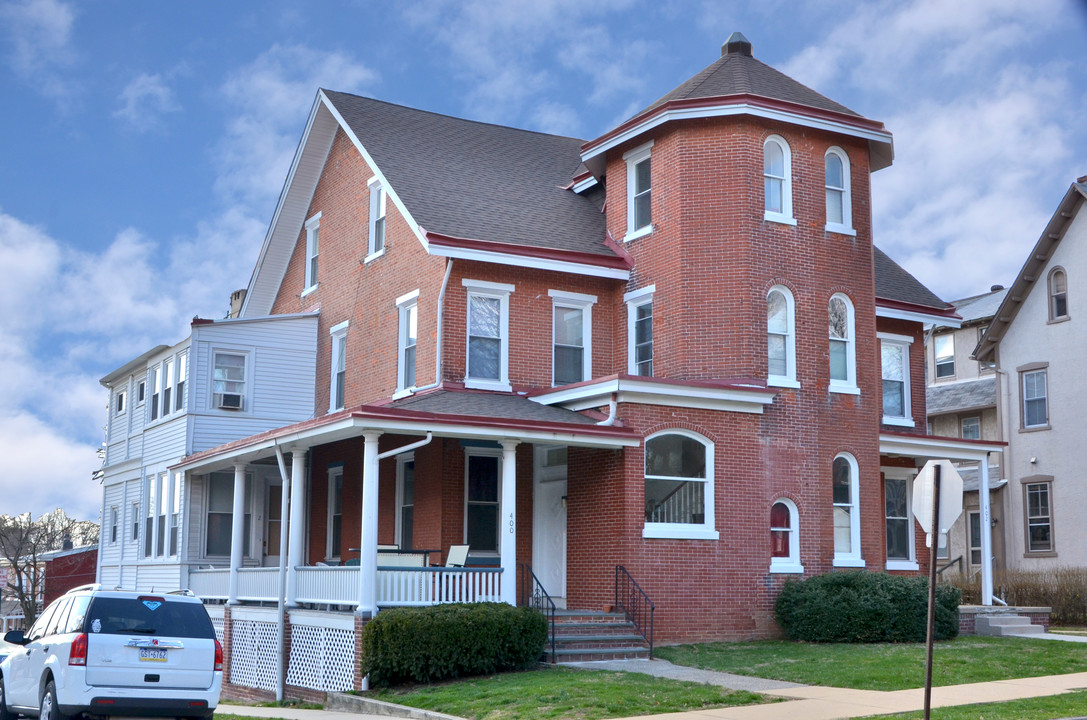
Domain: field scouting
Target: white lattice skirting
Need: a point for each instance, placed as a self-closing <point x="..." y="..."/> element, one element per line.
<point x="253" y="648"/>
<point x="322" y="658"/>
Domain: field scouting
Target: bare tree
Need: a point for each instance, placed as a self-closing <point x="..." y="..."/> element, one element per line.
<point x="23" y="544"/>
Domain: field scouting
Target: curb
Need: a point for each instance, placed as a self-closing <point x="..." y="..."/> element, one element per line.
<point x="343" y="702"/>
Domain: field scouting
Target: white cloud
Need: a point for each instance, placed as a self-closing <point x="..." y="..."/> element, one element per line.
<point x="38" y="49"/>
<point x="144" y="101"/>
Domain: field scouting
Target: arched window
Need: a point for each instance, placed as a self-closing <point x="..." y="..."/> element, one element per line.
<point x="843" y="345"/>
<point x="679" y="486"/>
<point x="777" y="180"/>
<point x="839" y="205"/>
<point x="780" y="337"/>
<point x="1058" y="294"/>
<point x="847" y="522"/>
<point x="785" y="537"/>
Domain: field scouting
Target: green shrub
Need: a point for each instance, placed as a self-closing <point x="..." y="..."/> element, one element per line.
<point x="423" y="645"/>
<point x="1064" y="589"/>
<point x="864" y="607"/>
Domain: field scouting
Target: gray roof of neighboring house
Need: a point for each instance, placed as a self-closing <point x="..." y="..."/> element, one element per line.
<point x="489" y="405"/>
<point x="474" y="180"/>
<point x="980" y="307"/>
<point x="959" y="396"/>
<point x="894" y="283"/>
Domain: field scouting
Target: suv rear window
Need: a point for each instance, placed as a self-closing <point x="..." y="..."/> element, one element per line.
<point x="148" y="615"/>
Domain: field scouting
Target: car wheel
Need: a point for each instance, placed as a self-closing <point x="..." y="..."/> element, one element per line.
<point x="5" y="714"/>
<point x="50" y="710"/>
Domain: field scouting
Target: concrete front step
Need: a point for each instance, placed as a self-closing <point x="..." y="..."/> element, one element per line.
<point x="1004" y="625"/>
<point x="583" y="635"/>
<point x="602" y="653"/>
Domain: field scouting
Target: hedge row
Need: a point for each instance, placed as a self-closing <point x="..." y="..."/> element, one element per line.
<point x="1064" y="589"/>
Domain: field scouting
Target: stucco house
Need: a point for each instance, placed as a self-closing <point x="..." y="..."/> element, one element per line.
<point x="668" y="356"/>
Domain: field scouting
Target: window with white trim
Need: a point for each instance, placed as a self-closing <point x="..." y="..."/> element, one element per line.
<point x="167" y="385"/>
<point x="679" y="486"/>
<point x="639" y="192"/>
<point x="781" y="337"/>
<point x="898" y="519"/>
<point x="944" y="351"/>
<point x="219" y="517"/>
<point x="488" y="335"/>
<point x="572" y="332"/>
<point x="785" y="537"/>
<point x="1058" y="294"/>
<point x="175" y="515"/>
<point x="839" y="202"/>
<point x="378" y="201"/>
<point x="974" y="540"/>
<point x="640" y="331"/>
<point x="405" y="500"/>
<point x="847" y="521"/>
<point x="1039" y="517"/>
<point x="120" y="402"/>
<point x="313" y="232"/>
<point x="843" y="347"/>
<point x="179" y="383"/>
<point x="334" y="540"/>
<point x="228" y="380"/>
<point x="407" y="309"/>
<point x="154" y="379"/>
<point x="141" y="392"/>
<point x="777" y="180"/>
<point x="113" y="528"/>
<point x="135" y="522"/>
<point x="894" y="352"/>
<point x="1035" y="398"/>
<point x="338" y="369"/>
<point x="482" y="498"/>
<point x="970" y="428"/>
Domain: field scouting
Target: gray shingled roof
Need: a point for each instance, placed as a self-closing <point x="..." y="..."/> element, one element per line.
<point x="894" y="283"/>
<point x="737" y="72"/>
<point x="489" y="405"/>
<point x="959" y="396"/>
<point x="479" y="181"/>
<point x="979" y="307"/>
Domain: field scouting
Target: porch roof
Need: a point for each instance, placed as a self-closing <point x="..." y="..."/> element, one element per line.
<point x="935" y="446"/>
<point x="445" y="413"/>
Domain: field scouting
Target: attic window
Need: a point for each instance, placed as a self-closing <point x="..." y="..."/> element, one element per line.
<point x="1058" y="294"/>
<point x="378" y="198"/>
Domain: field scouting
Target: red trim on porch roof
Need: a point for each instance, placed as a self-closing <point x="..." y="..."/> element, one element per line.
<point x="948" y="312"/>
<point x="570" y="256"/>
<point x="941" y="438"/>
<point x="742" y="384"/>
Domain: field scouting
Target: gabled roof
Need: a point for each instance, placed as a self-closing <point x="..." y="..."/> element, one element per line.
<point x="1028" y="276"/>
<point x="900" y="294"/>
<point x="980" y="307"/>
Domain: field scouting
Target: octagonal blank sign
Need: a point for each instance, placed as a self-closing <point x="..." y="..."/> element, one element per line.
<point x="950" y="495"/>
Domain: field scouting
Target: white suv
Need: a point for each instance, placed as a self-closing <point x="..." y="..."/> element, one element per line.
<point x="114" y="652"/>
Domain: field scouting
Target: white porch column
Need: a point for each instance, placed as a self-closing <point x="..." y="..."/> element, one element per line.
<point x="297" y="542"/>
<point x="237" y="532"/>
<point x="986" y="533"/>
<point x="508" y="522"/>
<point x="368" y="539"/>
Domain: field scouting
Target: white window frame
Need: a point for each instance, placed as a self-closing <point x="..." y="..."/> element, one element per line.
<point x="379" y="203"/>
<point x="686" y="531"/>
<point x="789" y="378"/>
<point x="494" y="291"/>
<point x="246" y="384"/>
<point x="339" y="342"/>
<point x="962" y="426"/>
<point x="845" y="227"/>
<point x="1051" y="288"/>
<point x="901" y="474"/>
<point x="154" y="380"/>
<point x="635" y="299"/>
<point x="335" y="470"/>
<point x="167" y="397"/>
<point x="120" y="402"/>
<point x="584" y="303"/>
<point x="1046" y="482"/>
<point x="790" y="564"/>
<point x="248" y="503"/>
<point x="401" y="464"/>
<point x="948" y="361"/>
<point x="1023" y="375"/>
<point x="181" y="367"/>
<point x="849" y="385"/>
<point x="141" y="392"/>
<point x="313" y="247"/>
<point x="114" y="531"/>
<point x="786" y="214"/>
<point x="853" y="558"/>
<point x="485" y="452"/>
<point x="405" y="304"/>
<point x="135" y="537"/>
<point x="902" y="344"/>
<point x="633" y="158"/>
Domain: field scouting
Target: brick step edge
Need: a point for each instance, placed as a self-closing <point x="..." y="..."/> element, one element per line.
<point x="593" y="629"/>
<point x="591" y="655"/>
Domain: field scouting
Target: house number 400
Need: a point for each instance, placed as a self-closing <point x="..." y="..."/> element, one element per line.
<point x="511" y="523"/>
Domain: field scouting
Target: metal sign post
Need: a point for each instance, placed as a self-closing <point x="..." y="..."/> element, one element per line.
<point x="933" y="546"/>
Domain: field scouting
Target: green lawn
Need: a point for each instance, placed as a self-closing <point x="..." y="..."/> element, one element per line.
<point x="885" y="667"/>
<point x="1043" y="708"/>
<point x="564" y="693"/>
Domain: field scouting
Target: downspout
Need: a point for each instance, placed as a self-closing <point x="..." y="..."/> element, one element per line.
<point x="281" y="594"/>
<point x="613" y="407"/>
<point x="406" y="448"/>
<point x="440" y="323"/>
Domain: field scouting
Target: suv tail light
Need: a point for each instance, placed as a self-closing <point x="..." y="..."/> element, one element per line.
<point x="218" y="653"/>
<point x="78" y="654"/>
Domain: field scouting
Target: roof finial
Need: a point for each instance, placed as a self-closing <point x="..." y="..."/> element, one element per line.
<point x="736" y="44"/>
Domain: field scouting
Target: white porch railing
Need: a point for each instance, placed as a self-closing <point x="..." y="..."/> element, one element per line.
<point x="396" y="586"/>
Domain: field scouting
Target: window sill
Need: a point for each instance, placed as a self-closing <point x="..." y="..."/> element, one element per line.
<point x="778" y="218"/>
<point x="679" y="532"/>
<point x="497" y="385"/>
<point x="1040" y="554"/>
<point x="403" y="393"/>
<point x="640" y="232"/>
<point x="373" y="256"/>
<point x="900" y="422"/>
<point x="778" y="381"/>
<point x="1062" y="318"/>
<point x="849" y="562"/>
<point x="1036" y="428"/>
<point x="902" y="565"/>
<point x="840" y="229"/>
<point x="309" y="290"/>
<point x="844" y="389"/>
<point x="792" y="568"/>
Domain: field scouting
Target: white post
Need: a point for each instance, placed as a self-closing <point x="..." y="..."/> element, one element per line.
<point x="508" y="522"/>
<point x="368" y="539"/>
<point x="237" y="532"/>
<point x="986" y="533"/>
<point x="297" y="541"/>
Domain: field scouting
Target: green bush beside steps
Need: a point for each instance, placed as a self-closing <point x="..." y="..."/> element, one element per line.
<point x="864" y="607"/>
<point x="428" y="644"/>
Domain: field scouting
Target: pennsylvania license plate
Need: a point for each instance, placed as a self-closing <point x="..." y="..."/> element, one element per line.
<point x="153" y="654"/>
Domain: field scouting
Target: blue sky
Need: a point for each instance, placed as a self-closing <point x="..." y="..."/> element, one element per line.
<point x="143" y="147"/>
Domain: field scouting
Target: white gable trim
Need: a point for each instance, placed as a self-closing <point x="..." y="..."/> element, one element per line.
<point x="501" y="258"/>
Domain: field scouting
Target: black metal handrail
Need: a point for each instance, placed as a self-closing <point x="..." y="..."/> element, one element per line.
<point x="635" y="604"/>
<point x="535" y="596"/>
<point x="956" y="561"/>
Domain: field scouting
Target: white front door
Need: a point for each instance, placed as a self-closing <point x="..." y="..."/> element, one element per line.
<point x="549" y="524"/>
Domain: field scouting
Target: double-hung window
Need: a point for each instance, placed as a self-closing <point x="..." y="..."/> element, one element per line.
<point x="335" y="512"/>
<point x="1058" y="294"/>
<point x="944" y="350"/>
<point x="640" y="331"/>
<point x="220" y="514"/>
<point x="154" y="378"/>
<point x="894" y="351"/>
<point x="780" y="338"/>
<point x="483" y="469"/>
<point x="408" y="339"/>
<point x="1037" y="491"/>
<point x="405" y="500"/>
<point x="785" y="537"/>
<point x="839" y="205"/>
<point x="970" y="428"/>
<point x="1035" y="404"/>
<point x="679" y="496"/>
<point x="167" y="385"/>
<point x="378" y="200"/>
<point x="898" y="519"/>
<point x="228" y="381"/>
<point x="338" y="370"/>
<point x="847" y="523"/>
<point x="135" y="521"/>
<point x="572" y="330"/>
<point x="313" y="232"/>
<point x="843" y="347"/>
<point x="488" y="335"/>
<point x="179" y="383"/>
<point x="639" y="191"/>
<point x="777" y="180"/>
<point x="113" y="530"/>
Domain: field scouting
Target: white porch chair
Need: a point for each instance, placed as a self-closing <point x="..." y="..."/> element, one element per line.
<point x="457" y="556"/>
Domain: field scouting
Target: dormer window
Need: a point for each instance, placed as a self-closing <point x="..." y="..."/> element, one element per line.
<point x="777" y="180"/>
<point x="639" y="192"/>
<point x="839" y="206"/>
